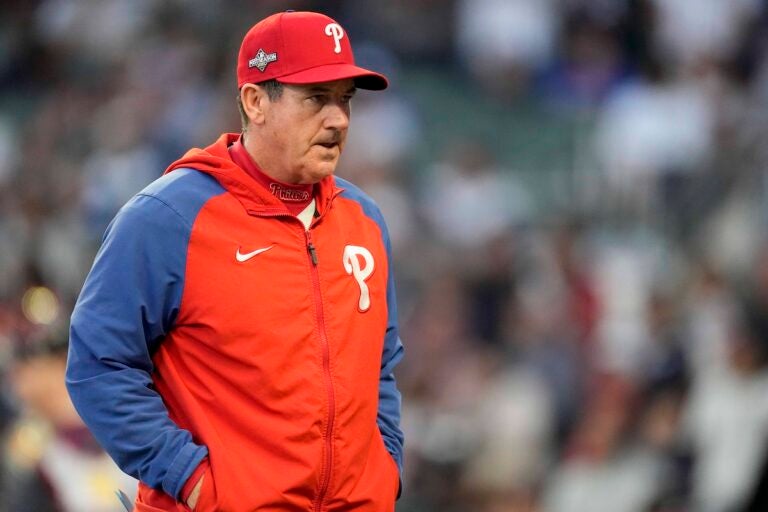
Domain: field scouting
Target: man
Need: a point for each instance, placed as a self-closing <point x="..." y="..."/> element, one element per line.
<point x="51" y="462"/>
<point x="233" y="345"/>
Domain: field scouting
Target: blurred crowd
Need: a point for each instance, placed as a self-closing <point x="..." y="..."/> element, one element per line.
<point x="577" y="192"/>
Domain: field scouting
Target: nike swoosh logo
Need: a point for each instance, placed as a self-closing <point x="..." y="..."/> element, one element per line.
<point x="245" y="257"/>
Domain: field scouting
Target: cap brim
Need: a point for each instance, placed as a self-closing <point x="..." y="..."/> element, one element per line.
<point x="364" y="78"/>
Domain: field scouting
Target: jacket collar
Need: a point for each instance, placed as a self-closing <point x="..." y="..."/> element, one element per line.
<point x="216" y="161"/>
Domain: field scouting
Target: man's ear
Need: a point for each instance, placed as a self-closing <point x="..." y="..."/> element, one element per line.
<point x="255" y="102"/>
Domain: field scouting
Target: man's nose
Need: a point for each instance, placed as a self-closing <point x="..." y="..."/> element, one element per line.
<point x="337" y="116"/>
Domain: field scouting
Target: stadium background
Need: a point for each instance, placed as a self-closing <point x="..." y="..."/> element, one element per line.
<point x="577" y="195"/>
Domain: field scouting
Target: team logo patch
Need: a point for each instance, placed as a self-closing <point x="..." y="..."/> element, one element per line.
<point x="262" y="60"/>
<point x="336" y="32"/>
<point x="360" y="271"/>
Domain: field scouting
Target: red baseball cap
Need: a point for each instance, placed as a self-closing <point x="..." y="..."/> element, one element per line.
<point x="301" y="48"/>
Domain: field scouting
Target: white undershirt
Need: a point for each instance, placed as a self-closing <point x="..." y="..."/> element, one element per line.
<point x="306" y="215"/>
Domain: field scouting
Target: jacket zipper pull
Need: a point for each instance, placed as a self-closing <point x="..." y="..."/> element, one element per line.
<point x="311" y="248"/>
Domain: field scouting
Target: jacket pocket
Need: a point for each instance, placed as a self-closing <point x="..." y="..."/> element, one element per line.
<point x="394" y="470"/>
<point x="207" y="501"/>
<point x="152" y="500"/>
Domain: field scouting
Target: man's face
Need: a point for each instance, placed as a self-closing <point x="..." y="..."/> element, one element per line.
<point x="305" y="130"/>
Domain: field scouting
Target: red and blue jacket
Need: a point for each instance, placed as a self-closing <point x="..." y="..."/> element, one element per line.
<point x="215" y="333"/>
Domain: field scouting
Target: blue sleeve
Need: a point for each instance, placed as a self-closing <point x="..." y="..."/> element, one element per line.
<point x="128" y="304"/>
<point x="388" y="417"/>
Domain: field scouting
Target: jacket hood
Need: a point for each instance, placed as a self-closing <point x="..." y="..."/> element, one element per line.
<point x="216" y="161"/>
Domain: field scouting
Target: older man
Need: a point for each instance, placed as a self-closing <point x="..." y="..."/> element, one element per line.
<point x="234" y="342"/>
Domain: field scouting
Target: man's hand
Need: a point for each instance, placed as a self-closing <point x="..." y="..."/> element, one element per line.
<point x="195" y="494"/>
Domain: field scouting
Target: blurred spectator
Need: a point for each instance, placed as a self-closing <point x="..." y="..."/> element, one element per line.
<point x="14" y="237"/>
<point x="515" y="428"/>
<point x="503" y="42"/>
<point x="52" y="463"/>
<point x="470" y="200"/>
<point x="710" y="309"/>
<point x="548" y="324"/>
<point x="443" y="379"/>
<point x="417" y="30"/>
<point x="652" y="133"/>
<point x="491" y="286"/>
<point x="727" y="417"/>
<point x="591" y="64"/>
<point x="8" y="158"/>
<point x="606" y="469"/>
<point x="690" y="30"/>
<point x="102" y="30"/>
<point x="624" y="274"/>
<point x="123" y="163"/>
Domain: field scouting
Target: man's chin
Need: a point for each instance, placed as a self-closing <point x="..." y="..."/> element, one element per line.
<point x="319" y="172"/>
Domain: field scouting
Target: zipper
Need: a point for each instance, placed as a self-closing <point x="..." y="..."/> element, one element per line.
<point x="325" y="473"/>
